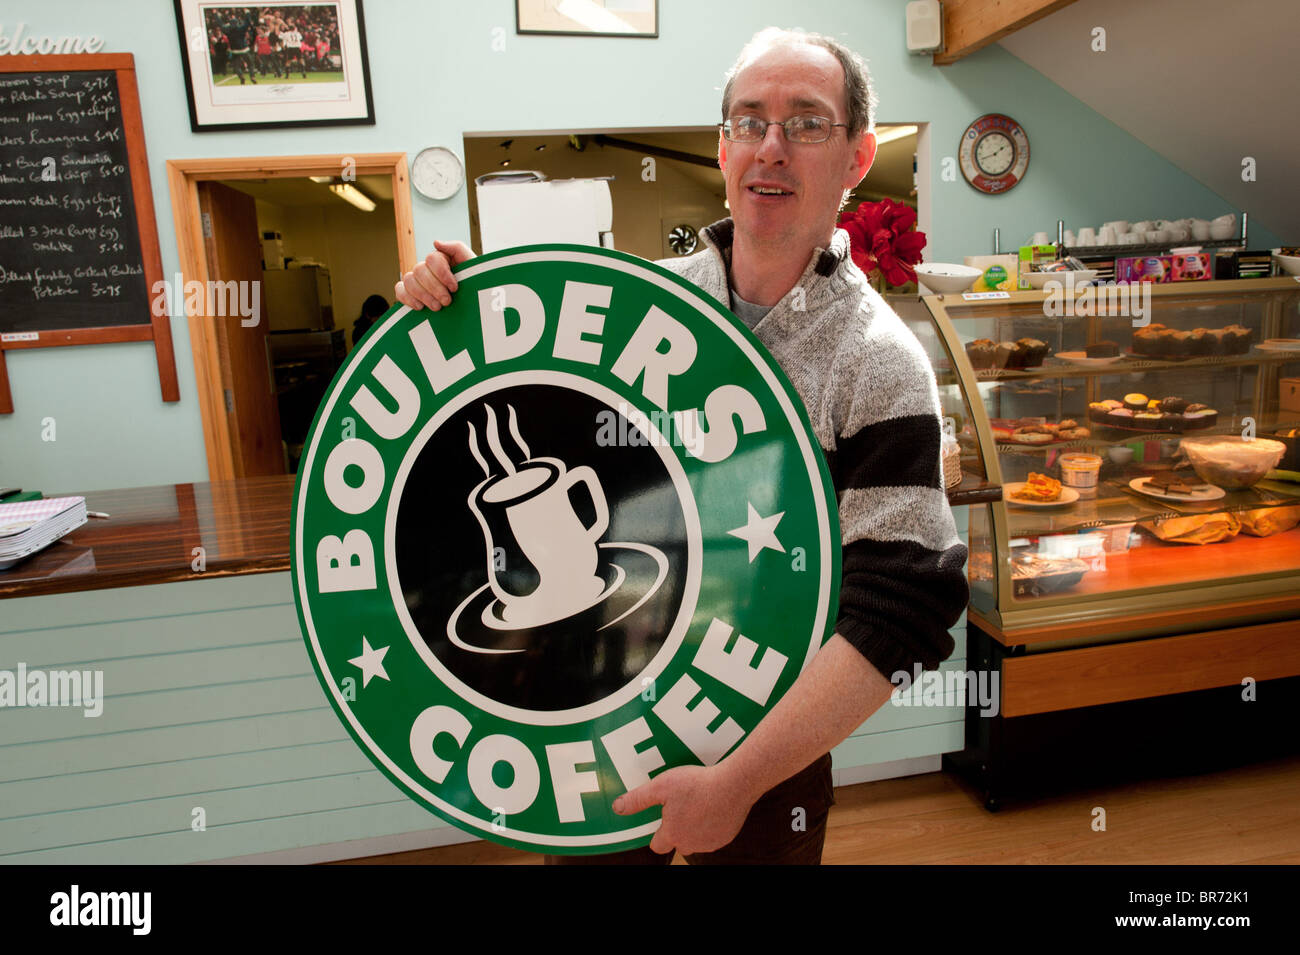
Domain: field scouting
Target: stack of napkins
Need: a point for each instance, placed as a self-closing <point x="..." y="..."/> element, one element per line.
<point x="28" y="526"/>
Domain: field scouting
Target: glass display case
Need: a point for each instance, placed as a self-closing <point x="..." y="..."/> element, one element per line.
<point x="1143" y="436"/>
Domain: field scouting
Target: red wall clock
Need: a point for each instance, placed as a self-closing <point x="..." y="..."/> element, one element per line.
<point x="994" y="153"/>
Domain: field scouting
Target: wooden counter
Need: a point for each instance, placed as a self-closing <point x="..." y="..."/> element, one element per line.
<point x="242" y="526"/>
<point x="152" y="532"/>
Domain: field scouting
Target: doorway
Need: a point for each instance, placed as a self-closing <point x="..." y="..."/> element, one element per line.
<point x="664" y="183"/>
<point x="255" y="379"/>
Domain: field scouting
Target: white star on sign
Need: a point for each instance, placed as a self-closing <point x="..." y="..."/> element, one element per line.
<point x="371" y="662"/>
<point x="759" y="532"/>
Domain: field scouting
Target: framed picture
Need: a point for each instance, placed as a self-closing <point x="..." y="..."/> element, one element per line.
<point x="274" y="64"/>
<point x="588" y="17"/>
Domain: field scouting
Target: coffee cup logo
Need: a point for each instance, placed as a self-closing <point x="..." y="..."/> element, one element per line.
<point x="577" y="523"/>
<point x="550" y="556"/>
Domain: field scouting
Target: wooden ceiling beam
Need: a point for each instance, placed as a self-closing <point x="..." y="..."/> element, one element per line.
<point x="970" y="25"/>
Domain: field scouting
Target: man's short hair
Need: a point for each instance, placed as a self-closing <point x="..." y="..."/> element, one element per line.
<point x="859" y="95"/>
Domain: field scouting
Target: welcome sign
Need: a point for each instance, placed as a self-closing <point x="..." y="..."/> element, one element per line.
<point x="563" y="534"/>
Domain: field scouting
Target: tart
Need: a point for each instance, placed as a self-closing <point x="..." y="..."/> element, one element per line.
<point x="1135" y="401"/>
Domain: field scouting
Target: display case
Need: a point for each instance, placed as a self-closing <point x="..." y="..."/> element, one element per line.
<point x="1139" y="592"/>
<point x="1096" y="392"/>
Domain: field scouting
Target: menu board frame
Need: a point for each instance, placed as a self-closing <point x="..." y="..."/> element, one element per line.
<point x="157" y="328"/>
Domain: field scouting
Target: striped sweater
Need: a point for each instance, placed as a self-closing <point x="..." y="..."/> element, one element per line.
<point x="874" y="406"/>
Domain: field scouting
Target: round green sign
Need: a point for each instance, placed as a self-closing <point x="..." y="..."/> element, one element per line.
<point x="567" y="532"/>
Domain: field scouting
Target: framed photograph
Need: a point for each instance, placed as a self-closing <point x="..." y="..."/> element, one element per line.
<point x="274" y="64"/>
<point x="588" y="17"/>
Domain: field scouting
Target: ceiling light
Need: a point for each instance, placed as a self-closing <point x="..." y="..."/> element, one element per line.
<point x="892" y="133"/>
<point x="350" y="193"/>
<point x="504" y="162"/>
<point x="321" y="178"/>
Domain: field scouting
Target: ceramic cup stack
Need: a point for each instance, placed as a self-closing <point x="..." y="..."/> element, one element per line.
<point x="1148" y="232"/>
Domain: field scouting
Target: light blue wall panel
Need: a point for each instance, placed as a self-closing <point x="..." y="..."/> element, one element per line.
<point x="437" y="75"/>
<point x="210" y="701"/>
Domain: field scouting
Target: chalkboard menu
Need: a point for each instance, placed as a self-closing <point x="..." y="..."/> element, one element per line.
<point x="69" y="249"/>
<point x="78" y="242"/>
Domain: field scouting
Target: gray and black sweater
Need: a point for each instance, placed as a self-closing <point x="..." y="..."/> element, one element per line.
<point x="873" y="403"/>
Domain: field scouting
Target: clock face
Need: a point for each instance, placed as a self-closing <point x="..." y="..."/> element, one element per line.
<point x="994" y="153"/>
<point x="437" y="173"/>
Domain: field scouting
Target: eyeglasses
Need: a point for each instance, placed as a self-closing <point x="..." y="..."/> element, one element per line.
<point x="798" y="129"/>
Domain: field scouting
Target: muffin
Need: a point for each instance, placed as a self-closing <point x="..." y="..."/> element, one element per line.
<point x="1180" y="344"/>
<point x="981" y="353"/>
<point x="1237" y="338"/>
<point x="1173" y="405"/>
<point x="1004" y="355"/>
<point x="1145" y="340"/>
<point x="1030" y="352"/>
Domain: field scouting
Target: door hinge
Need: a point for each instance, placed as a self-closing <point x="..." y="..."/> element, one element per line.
<point x="207" y="225"/>
<point x="230" y="401"/>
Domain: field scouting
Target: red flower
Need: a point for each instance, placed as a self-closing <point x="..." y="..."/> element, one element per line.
<point x="882" y="239"/>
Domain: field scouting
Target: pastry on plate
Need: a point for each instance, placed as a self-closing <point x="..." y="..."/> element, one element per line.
<point x="1039" y="487"/>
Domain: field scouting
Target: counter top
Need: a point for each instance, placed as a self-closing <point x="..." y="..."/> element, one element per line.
<point x="151" y="534"/>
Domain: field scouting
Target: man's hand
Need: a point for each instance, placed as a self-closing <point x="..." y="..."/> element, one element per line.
<point x="703" y="809"/>
<point x="430" y="284"/>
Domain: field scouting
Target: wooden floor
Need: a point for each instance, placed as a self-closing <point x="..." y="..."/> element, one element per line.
<point x="1249" y="814"/>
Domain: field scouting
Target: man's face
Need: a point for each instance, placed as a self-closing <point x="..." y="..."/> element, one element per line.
<point x="809" y="178"/>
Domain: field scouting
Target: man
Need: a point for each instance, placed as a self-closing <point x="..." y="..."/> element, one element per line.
<point x="292" y="39"/>
<point x="241" y="33"/>
<point x="797" y="111"/>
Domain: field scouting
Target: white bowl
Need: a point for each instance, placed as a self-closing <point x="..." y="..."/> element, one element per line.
<point x="1141" y="227"/>
<point x="1222" y="230"/>
<point x="1290" y="264"/>
<point x="1156" y="236"/>
<point x="1200" y="230"/>
<point x="1229" y="217"/>
<point x="946" y="278"/>
<point x="1039" y="279"/>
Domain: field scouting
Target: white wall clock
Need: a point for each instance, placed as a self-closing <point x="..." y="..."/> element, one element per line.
<point x="437" y="173"/>
<point x="994" y="153"/>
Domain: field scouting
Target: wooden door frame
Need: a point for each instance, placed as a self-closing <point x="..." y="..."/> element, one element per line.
<point x="183" y="177"/>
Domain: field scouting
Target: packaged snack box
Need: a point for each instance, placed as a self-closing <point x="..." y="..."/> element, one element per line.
<point x="1144" y="268"/>
<point x="1031" y="255"/>
<point x="999" y="272"/>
